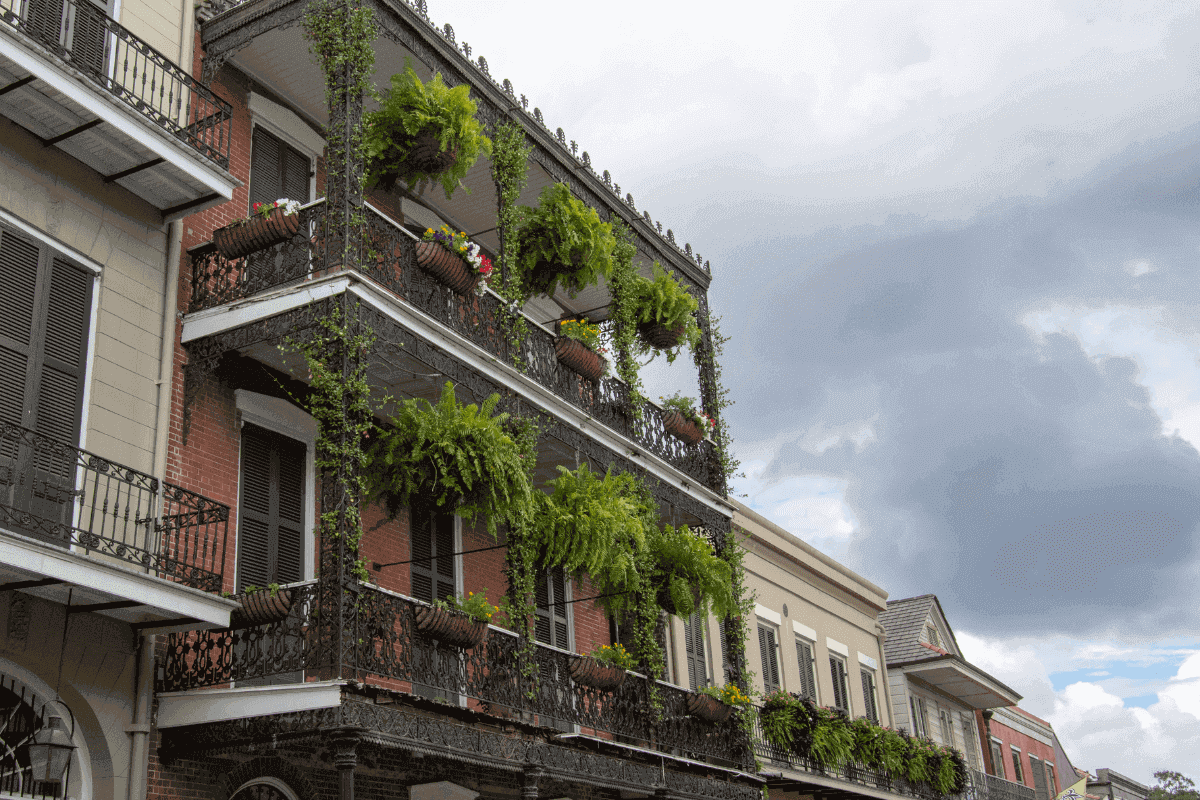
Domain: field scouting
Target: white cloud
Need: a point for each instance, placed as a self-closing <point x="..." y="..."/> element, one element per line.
<point x="810" y="506"/>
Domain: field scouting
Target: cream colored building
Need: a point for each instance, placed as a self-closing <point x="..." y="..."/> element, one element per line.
<point x="104" y="141"/>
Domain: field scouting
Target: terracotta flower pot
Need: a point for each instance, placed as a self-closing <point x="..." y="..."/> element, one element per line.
<point x="659" y="336"/>
<point x="261" y="607"/>
<point x="709" y="709"/>
<point x="577" y="357"/>
<point x="255" y="233"/>
<point x="681" y="427"/>
<point x="451" y="627"/>
<point x="447" y="268"/>
<point x="587" y="671"/>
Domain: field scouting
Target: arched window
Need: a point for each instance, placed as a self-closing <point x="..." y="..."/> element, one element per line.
<point x="22" y="714"/>
<point x="264" y="788"/>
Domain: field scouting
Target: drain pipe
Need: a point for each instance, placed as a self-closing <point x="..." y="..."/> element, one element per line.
<point x="166" y="351"/>
<point x="139" y="731"/>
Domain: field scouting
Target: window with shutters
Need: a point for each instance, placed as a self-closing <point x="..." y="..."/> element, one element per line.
<point x="808" y="668"/>
<point x="552" y="625"/>
<point x="1051" y="785"/>
<point x="767" y="648"/>
<point x="45" y="318"/>
<point x="841" y="694"/>
<point x="277" y="169"/>
<point x="871" y="708"/>
<point x="1018" y="775"/>
<point x="1039" y="777"/>
<point x="78" y="28"/>
<point x="693" y="649"/>
<point x="434" y="574"/>
<point x="997" y="758"/>
<point x="270" y="543"/>
<point x="969" y="738"/>
<point x="916" y="707"/>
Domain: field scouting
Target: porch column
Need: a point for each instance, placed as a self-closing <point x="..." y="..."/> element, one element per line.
<point x="529" y="790"/>
<point x="345" y="758"/>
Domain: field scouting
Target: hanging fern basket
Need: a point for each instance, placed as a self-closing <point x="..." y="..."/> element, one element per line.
<point x="577" y="357"/>
<point x="709" y="709"/>
<point x="682" y="428"/>
<point x="587" y="671"/>
<point x="446" y="268"/>
<point x="660" y="337"/>
<point x="261" y="607"/>
<point x="451" y="627"/>
<point x="424" y="156"/>
<point x="256" y="233"/>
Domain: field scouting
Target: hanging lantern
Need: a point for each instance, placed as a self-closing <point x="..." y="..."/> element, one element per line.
<point x="50" y="751"/>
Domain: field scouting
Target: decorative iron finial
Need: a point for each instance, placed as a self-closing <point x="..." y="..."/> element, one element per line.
<point x="524" y="102"/>
<point x="629" y="201"/>
<point x="449" y="32"/>
<point x="587" y="160"/>
<point x="423" y="8"/>
<point x="707" y="268"/>
<point x="687" y="248"/>
<point x="646" y="216"/>
<point x="562" y="137"/>
<point x="617" y="189"/>
<point x="574" y="147"/>
<point x="659" y="226"/>
<point x="466" y="49"/>
<point x="607" y="178"/>
<point x="537" y="114"/>
<point x="483" y="66"/>
<point x="508" y="87"/>
<point x="670" y="236"/>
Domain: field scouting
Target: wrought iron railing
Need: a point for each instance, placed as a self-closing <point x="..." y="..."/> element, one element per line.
<point x="84" y="36"/>
<point x="850" y="772"/>
<point x="993" y="787"/>
<point x="388" y="649"/>
<point x="390" y="260"/>
<point x="59" y="494"/>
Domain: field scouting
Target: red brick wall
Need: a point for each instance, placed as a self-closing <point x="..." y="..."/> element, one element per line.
<point x="1027" y="745"/>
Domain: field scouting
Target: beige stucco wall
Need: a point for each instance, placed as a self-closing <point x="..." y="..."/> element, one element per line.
<point x="97" y="680"/>
<point x="159" y="23"/>
<point x="71" y="205"/>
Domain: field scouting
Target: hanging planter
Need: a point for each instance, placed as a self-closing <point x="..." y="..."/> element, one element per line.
<point x="587" y="671"/>
<point x="660" y="337"/>
<point x="682" y="428"/>
<point x="707" y="708"/>
<point x="451" y="627"/>
<point x="576" y="356"/>
<point x="667" y="603"/>
<point x="260" y="607"/>
<point x="453" y="260"/>
<point x="259" y="230"/>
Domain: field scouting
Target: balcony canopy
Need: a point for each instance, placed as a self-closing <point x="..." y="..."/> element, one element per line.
<point x="959" y="679"/>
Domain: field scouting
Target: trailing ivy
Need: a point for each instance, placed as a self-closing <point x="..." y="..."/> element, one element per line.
<point x="714" y="394"/>
<point x="623" y="315"/>
<point x="510" y="172"/>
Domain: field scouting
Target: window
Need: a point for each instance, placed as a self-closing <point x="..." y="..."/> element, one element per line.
<point x="1051" y="785"/>
<point x="767" y="645"/>
<point x="550" y="595"/>
<point x="841" y="694"/>
<point x="970" y="739"/>
<point x="276" y="169"/>
<point x="80" y="30"/>
<point x="270" y="544"/>
<point x="870" y="706"/>
<point x="434" y="576"/>
<point x="932" y="635"/>
<point x="1018" y="776"/>
<point x="1039" y="777"/>
<point x="997" y="758"/>
<point x="727" y="667"/>
<point x="693" y="648"/>
<point x="808" y="668"/>
<point x="947" y="727"/>
<point x="916" y="706"/>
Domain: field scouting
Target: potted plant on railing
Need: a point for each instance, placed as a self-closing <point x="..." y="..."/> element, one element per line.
<point x="267" y="224"/>
<point x="716" y="703"/>
<point x="454" y="260"/>
<point x="459" y="621"/>
<point x="665" y="312"/>
<point x="456" y="457"/>
<point x="604" y="668"/>
<point x="562" y="242"/>
<point x="578" y="349"/>
<point x="684" y="421"/>
<point x="261" y="606"/>
<point x="422" y="132"/>
<point x="688" y="576"/>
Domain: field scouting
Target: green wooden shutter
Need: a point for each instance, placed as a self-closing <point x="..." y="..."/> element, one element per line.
<point x="770" y="664"/>
<point x="693" y="647"/>
<point x="550" y="594"/>
<point x="270" y="541"/>
<point x="432" y="538"/>
<point x="45" y="19"/>
<point x="19" y="260"/>
<point x="277" y="170"/>
<point x="87" y="39"/>
<point x="1039" y="777"/>
<point x="804" y="657"/>
<point x="838" y="670"/>
<point x="868" y="687"/>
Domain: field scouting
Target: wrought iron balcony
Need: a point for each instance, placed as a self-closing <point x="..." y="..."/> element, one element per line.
<point x="382" y="645"/>
<point x="992" y="787"/>
<point x="852" y="774"/>
<point x="56" y="493"/>
<point x="389" y="259"/>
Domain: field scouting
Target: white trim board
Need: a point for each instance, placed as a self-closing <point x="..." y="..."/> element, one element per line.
<point x="216" y="705"/>
<point x="767" y="614"/>
<point x="805" y="631"/>
<point x="837" y="647"/>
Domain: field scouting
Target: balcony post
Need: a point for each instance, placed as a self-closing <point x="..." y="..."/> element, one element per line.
<point x="710" y="390"/>
<point x="345" y="757"/>
<point x="529" y="789"/>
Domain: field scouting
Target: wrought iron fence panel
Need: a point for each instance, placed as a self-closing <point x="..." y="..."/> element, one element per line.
<point x="68" y="497"/>
<point x="129" y="69"/>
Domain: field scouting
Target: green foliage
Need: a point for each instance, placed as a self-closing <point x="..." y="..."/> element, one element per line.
<point x="623" y="313"/>
<point x="687" y="407"/>
<point x="474" y="605"/>
<point x="614" y="655"/>
<point x="713" y="393"/>
<point x="729" y="694"/>
<point x="562" y="242"/>
<point x="832" y="738"/>
<point x="510" y="172"/>
<point x="582" y="331"/>
<point x="1173" y="786"/>
<point x="687" y="569"/>
<point x="456" y="457"/>
<point x="663" y="300"/>
<point x="411" y="107"/>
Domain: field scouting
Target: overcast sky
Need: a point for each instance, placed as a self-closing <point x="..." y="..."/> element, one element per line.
<point x="956" y="248"/>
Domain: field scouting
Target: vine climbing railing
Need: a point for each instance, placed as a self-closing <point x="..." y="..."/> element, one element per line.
<point x="392" y="652"/>
<point x="389" y="259"/>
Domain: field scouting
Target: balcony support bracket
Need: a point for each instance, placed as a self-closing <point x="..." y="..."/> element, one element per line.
<point x="17" y="84"/>
<point x="125" y="173"/>
<point x="62" y="137"/>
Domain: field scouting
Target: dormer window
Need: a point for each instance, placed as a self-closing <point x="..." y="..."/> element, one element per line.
<point x="932" y="635"/>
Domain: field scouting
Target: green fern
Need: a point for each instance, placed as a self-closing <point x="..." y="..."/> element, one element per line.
<point x="564" y="234"/>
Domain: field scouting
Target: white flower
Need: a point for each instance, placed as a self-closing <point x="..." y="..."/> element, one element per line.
<point x="290" y="207"/>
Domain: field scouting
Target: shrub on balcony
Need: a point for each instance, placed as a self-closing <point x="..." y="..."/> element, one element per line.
<point x="688" y="575"/>
<point x="458" y="457"/>
<point x="562" y="242"/>
<point x="422" y="132"/>
<point x="665" y="312"/>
